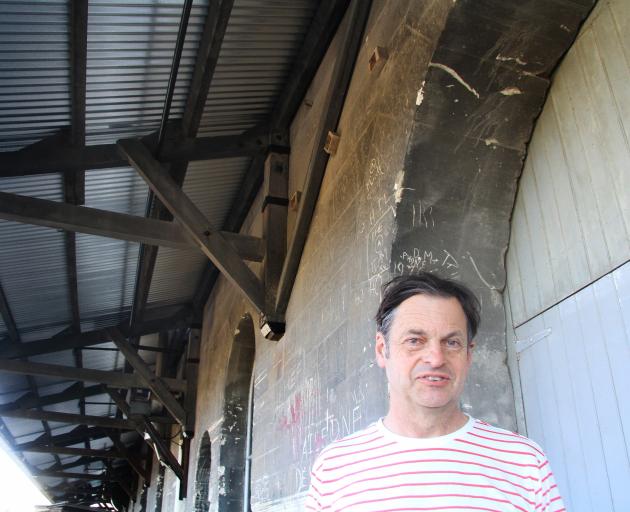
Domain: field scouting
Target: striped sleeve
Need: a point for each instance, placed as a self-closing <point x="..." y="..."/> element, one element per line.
<point x="314" y="497"/>
<point x="548" y="494"/>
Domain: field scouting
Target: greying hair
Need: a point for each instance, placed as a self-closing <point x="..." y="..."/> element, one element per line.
<point x="401" y="288"/>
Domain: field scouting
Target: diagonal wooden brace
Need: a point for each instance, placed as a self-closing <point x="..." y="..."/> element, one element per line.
<point x="211" y="242"/>
<point x="153" y="382"/>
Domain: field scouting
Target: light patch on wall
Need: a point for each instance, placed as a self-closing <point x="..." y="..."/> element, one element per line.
<point x="420" y="95"/>
<point x="455" y="75"/>
<point x="511" y="91"/>
<point x="398" y="188"/>
<point x="502" y="58"/>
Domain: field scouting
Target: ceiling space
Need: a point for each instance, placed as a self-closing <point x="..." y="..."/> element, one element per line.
<point x="100" y="289"/>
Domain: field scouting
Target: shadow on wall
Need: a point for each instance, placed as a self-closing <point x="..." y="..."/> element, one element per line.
<point x="202" y="478"/>
<point x="233" y="484"/>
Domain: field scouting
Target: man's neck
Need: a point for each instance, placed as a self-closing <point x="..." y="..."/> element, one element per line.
<point x="425" y="423"/>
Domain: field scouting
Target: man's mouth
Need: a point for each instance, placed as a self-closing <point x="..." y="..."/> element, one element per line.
<point x="434" y="378"/>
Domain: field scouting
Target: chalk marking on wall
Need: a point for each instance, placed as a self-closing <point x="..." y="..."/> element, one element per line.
<point x="479" y="273"/>
<point x="215" y="424"/>
<point x="455" y="75"/>
<point x="260" y="378"/>
<point x="420" y="95"/>
<point x="501" y="58"/>
<point x="511" y="91"/>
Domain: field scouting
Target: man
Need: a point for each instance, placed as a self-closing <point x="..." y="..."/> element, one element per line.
<point x="426" y="454"/>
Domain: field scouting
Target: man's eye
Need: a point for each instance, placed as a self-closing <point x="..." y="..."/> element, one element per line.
<point x="413" y="342"/>
<point x="454" y="344"/>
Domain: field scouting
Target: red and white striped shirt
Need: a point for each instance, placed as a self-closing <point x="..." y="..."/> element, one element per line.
<point x="478" y="467"/>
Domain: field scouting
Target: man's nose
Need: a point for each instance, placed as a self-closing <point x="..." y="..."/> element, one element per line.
<point x="434" y="354"/>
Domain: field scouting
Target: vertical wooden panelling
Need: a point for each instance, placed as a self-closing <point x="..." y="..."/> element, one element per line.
<point x="568" y="279"/>
<point x="575" y="382"/>
<point x="572" y="221"/>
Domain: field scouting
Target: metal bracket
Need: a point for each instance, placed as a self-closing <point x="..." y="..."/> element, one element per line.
<point x="522" y="345"/>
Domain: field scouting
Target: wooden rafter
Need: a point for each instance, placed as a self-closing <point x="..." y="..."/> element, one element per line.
<point x="111" y="378"/>
<point x="62" y="417"/>
<point x="341" y="74"/>
<point x="316" y="42"/>
<point x="323" y="27"/>
<point x="206" y="60"/>
<point x="155" y="383"/>
<point x="7" y="317"/>
<point x="173" y="321"/>
<point x="212" y="243"/>
<point x="121" y="226"/>
<point x="76" y="435"/>
<point x="42" y="158"/>
<point x="155" y="439"/>
<point x="74" y="182"/>
<point x="73" y="392"/>
<point x="82" y="452"/>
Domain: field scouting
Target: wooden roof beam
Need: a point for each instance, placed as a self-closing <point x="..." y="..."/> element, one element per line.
<point x="207" y="56"/>
<point x="212" y="243"/>
<point x="63" y="157"/>
<point x="62" y="417"/>
<point x="82" y="452"/>
<point x="316" y="42"/>
<point x="180" y="319"/>
<point x="73" y="392"/>
<point x="7" y="317"/>
<point x="320" y="33"/>
<point x="54" y="214"/>
<point x="335" y="97"/>
<point x="155" y="383"/>
<point x="111" y="378"/>
<point x="75" y="436"/>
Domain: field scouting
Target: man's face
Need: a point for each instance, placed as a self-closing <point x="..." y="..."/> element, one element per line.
<point x="428" y="357"/>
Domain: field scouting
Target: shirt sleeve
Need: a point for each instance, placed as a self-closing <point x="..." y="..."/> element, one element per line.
<point x="315" y="495"/>
<point x="548" y="497"/>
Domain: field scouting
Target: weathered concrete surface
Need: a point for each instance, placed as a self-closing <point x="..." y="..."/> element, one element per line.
<point x="486" y="85"/>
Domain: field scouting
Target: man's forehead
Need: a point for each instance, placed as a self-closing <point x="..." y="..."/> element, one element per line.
<point x="429" y="310"/>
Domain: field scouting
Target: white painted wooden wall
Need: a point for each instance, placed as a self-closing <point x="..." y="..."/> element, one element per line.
<point x="571" y="222"/>
<point x="568" y="281"/>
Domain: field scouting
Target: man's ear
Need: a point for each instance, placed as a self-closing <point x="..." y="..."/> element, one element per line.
<point x="380" y="348"/>
<point x="471" y="345"/>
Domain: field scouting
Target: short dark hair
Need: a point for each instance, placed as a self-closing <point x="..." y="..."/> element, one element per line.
<point x="401" y="288"/>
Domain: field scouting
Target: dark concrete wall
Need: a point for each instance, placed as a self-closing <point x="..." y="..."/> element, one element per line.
<point x="319" y="382"/>
<point x="424" y="178"/>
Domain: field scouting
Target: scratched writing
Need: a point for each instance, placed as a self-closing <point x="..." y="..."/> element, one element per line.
<point x="427" y="260"/>
<point x="422" y="215"/>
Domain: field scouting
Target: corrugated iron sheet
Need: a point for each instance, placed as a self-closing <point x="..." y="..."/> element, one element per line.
<point x="212" y="186"/>
<point x="33" y="270"/>
<point x="260" y="45"/>
<point x="34" y="71"/>
<point x="130" y="51"/>
<point x="106" y="268"/>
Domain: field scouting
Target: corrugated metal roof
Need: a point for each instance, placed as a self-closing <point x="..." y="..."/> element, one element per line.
<point x="34" y="71"/>
<point x="33" y="271"/>
<point x="106" y="268"/>
<point x="130" y="51"/>
<point x="212" y="185"/>
<point x="130" y="48"/>
<point x="260" y="45"/>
